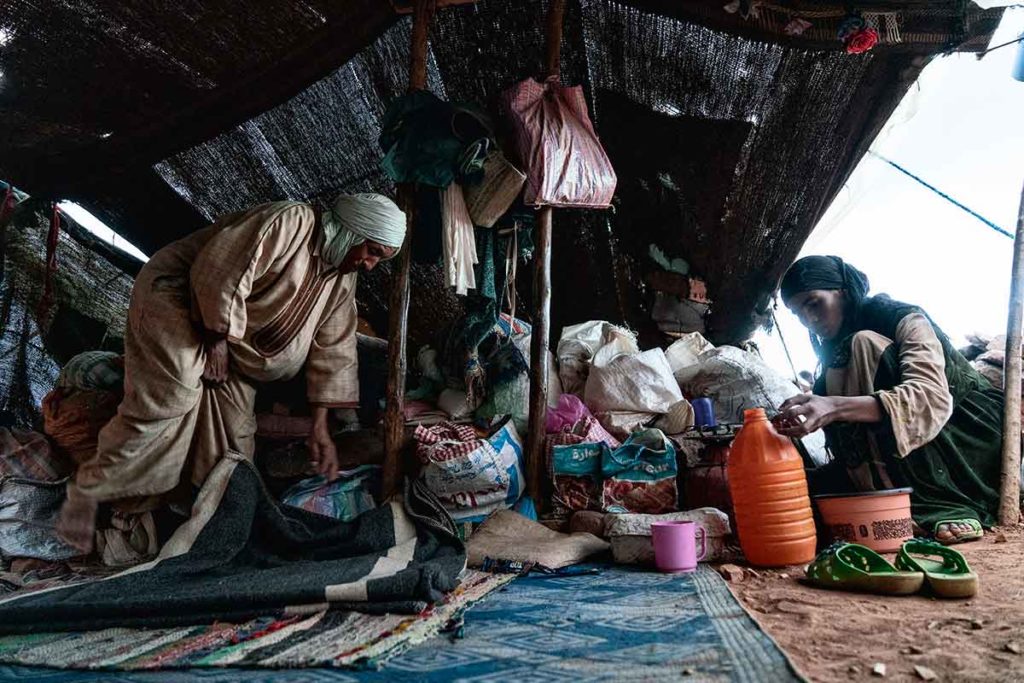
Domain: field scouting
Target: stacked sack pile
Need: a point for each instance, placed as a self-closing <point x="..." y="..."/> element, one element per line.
<point x="622" y="446"/>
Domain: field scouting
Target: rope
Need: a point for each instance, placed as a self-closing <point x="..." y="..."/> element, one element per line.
<point x="785" y="347"/>
<point x="942" y="194"/>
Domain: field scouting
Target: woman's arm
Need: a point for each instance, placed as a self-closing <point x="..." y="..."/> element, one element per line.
<point x="916" y="409"/>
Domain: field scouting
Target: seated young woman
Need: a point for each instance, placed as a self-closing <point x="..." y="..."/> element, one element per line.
<point x="899" y="405"/>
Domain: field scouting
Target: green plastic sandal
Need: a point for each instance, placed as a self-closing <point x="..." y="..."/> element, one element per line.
<point x="853" y="567"/>
<point x="949" y="576"/>
<point x="974" y="534"/>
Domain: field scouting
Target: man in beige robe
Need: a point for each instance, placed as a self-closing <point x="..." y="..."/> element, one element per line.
<point x="252" y="298"/>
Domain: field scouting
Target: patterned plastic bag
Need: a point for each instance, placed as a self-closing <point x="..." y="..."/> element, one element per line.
<point x="344" y="498"/>
<point x="640" y="476"/>
<point x="472" y="476"/>
<point x="576" y="475"/>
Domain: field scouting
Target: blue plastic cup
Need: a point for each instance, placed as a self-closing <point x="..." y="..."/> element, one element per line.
<point x="704" y="413"/>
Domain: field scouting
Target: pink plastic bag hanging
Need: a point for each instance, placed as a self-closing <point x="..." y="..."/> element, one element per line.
<point x="564" y="161"/>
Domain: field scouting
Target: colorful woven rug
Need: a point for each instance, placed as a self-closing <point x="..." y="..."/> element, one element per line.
<point x="618" y="625"/>
<point x="325" y="639"/>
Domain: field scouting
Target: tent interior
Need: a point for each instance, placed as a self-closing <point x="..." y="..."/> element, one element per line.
<point x="731" y="126"/>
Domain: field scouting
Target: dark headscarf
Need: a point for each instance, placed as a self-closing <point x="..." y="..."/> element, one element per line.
<point x="824" y="272"/>
<point x="829" y="272"/>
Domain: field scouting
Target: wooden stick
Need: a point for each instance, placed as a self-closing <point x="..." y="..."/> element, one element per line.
<point x="535" y="455"/>
<point x="553" y="38"/>
<point x="398" y="303"/>
<point x="535" y="462"/>
<point x="1009" y="492"/>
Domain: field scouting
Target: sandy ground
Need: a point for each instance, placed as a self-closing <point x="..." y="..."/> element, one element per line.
<point x="839" y="636"/>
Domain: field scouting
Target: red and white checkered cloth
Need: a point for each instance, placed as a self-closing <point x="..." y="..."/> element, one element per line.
<point x="445" y="441"/>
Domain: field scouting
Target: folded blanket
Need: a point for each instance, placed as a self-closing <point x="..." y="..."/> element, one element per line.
<point x="243" y="555"/>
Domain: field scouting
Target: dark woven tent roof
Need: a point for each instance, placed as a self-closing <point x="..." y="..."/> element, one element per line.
<point x="729" y="137"/>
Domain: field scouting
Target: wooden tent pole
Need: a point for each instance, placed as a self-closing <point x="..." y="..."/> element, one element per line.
<point x="1009" y="499"/>
<point x="535" y="465"/>
<point x="398" y="303"/>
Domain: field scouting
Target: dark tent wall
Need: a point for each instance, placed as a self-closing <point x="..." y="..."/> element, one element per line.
<point x="90" y="289"/>
<point x="728" y="145"/>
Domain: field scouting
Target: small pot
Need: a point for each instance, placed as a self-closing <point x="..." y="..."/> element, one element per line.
<point x="879" y="520"/>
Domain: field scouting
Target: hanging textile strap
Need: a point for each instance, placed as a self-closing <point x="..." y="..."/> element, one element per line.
<point x="46" y="302"/>
<point x="511" y="266"/>
<point x="7" y="208"/>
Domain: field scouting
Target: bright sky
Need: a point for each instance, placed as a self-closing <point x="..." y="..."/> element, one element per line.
<point x="100" y="229"/>
<point x="961" y="129"/>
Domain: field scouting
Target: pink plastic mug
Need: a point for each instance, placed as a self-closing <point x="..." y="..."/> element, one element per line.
<point x="675" y="546"/>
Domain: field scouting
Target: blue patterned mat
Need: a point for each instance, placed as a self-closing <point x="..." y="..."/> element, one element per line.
<point x="617" y="625"/>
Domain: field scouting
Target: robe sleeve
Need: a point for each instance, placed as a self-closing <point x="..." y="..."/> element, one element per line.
<point x="332" y="368"/>
<point x="921" y="404"/>
<point x="241" y="252"/>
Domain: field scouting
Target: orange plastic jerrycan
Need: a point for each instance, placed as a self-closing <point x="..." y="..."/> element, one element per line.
<point x="769" y="495"/>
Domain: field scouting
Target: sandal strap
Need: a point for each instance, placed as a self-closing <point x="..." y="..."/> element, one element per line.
<point x="950" y="557"/>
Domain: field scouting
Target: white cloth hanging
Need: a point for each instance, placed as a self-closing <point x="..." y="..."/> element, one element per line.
<point x="459" y="241"/>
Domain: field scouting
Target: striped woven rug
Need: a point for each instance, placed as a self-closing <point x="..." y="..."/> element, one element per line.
<point x="325" y="639"/>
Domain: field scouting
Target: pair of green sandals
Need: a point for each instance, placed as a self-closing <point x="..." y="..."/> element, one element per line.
<point x="853" y="567"/>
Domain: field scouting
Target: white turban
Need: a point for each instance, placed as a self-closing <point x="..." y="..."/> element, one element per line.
<point x="356" y="218"/>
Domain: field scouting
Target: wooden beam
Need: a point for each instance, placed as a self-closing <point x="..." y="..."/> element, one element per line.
<point x="314" y="57"/>
<point x="409" y="6"/>
<point x="1009" y="492"/>
<point x="398" y="305"/>
<point x="536" y="464"/>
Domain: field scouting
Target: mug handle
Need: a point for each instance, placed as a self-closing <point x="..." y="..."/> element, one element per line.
<point x="703" y="542"/>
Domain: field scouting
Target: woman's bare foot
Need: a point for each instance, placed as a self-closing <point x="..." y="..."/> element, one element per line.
<point x="956" y="532"/>
<point x="77" y="523"/>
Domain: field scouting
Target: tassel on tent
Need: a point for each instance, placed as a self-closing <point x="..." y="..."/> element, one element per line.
<point x="892" y="28"/>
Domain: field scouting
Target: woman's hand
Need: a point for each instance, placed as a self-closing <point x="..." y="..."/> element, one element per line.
<point x="323" y="454"/>
<point x="805" y="413"/>
<point x="216" y="369"/>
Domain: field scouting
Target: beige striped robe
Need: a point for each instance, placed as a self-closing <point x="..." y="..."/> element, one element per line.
<point x="258" y="278"/>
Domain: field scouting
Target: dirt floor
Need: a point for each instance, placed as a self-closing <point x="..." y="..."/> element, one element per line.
<point x="838" y="636"/>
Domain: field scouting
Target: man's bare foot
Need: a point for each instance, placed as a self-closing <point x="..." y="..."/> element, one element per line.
<point x="77" y="523"/>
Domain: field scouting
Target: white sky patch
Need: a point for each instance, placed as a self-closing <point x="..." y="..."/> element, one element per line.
<point x="959" y="129"/>
<point x="100" y="229"/>
<point x="6" y="35"/>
